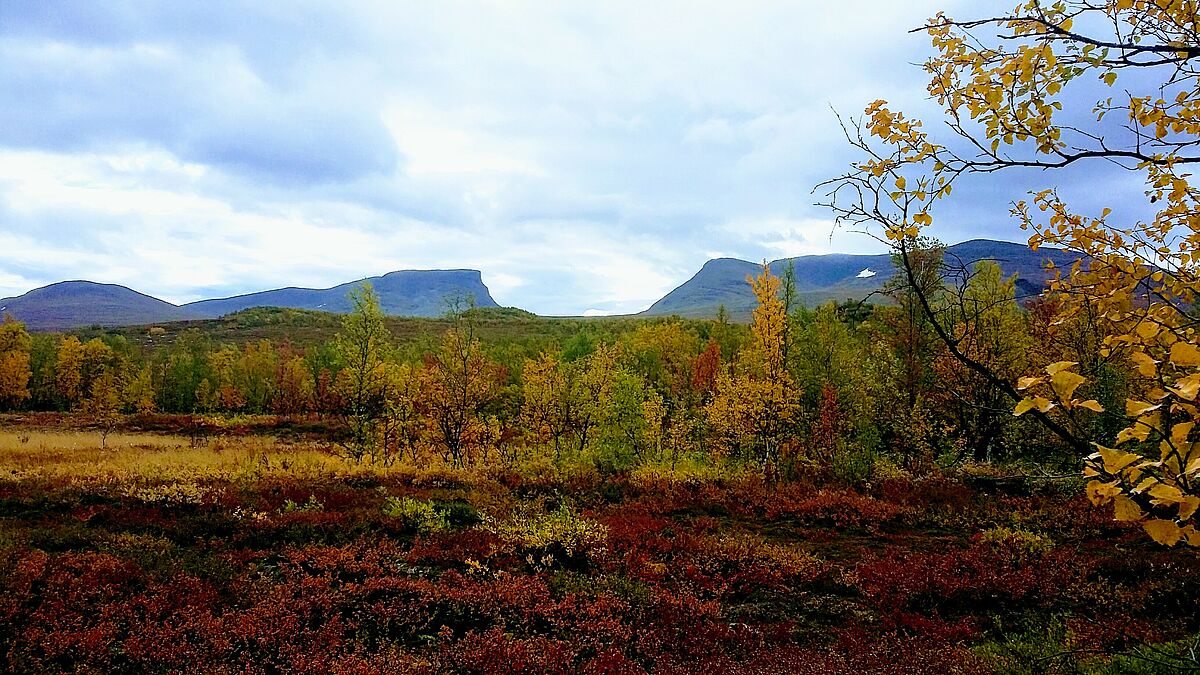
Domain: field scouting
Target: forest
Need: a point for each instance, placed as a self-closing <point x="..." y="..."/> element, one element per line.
<point x="954" y="475"/>
<point x="840" y="387"/>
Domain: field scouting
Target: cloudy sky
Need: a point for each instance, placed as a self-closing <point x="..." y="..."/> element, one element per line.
<point x="584" y="156"/>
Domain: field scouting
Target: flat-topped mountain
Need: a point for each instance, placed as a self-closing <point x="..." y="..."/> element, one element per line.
<point x="402" y="293"/>
<point x="841" y="276"/>
<point x="71" y="304"/>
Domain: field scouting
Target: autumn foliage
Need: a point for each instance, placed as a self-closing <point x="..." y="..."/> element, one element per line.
<point x="1026" y="98"/>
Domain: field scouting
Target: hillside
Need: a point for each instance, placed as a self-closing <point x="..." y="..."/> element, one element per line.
<point x="839" y="276"/>
<point x="69" y="304"/>
<point x="498" y="327"/>
<point x="402" y="293"/>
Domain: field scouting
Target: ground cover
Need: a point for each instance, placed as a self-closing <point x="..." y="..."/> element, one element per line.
<point x="264" y="554"/>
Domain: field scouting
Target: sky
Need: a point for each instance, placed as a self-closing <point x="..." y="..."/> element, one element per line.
<point x="586" y="157"/>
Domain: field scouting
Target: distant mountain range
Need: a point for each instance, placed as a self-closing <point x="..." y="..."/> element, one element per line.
<point x="403" y="293"/>
<point x="839" y="276"/>
<point x="720" y="282"/>
<point x="71" y="304"/>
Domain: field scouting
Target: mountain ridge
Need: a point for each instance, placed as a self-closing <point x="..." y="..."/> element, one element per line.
<point x="400" y="292"/>
<point x="77" y="303"/>
<point x="836" y="276"/>
<point x="719" y="282"/>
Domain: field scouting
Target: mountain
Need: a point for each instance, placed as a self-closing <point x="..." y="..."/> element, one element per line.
<point x="72" y="304"/>
<point x="69" y="304"/>
<point x="840" y="276"/>
<point x="403" y="293"/>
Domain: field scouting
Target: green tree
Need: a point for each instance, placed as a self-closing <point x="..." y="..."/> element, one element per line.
<point x="992" y="330"/>
<point x="363" y="346"/>
<point x="458" y="385"/>
<point x="104" y="403"/>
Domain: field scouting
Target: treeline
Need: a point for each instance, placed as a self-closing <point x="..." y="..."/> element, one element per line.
<point x="838" y="386"/>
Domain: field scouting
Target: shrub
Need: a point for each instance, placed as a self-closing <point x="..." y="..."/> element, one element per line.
<point x="418" y="515"/>
<point x="558" y="531"/>
<point x="174" y="494"/>
<point x="852" y="467"/>
<point x="1022" y="544"/>
<point x="313" y="504"/>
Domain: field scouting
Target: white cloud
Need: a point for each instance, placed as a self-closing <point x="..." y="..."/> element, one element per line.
<point x="432" y="143"/>
<point x="582" y="156"/>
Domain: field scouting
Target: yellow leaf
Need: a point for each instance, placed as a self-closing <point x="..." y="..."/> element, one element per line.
<point x="1185" y="354"/>
<point x="1027" y="382"/>
<point x="1109" y="78"/>
<point x="1125" y="509"/>
<point x="1091" y="404"/>
<point x="1187" y="388"/>
<point x="1101" y="493"/>
<point x="1115" y="460"/>
<point x="900" y="182"/>
<point x="1146" y="366"/>
<point x="1188" y="506"/>
<point x="1167" y="494"/>
<point x="1130" y="434"/>
<point x="1025" y="405"/>
<point x="1192" y="535"/>
<point x="1165" y="532"/>
<point x="1134" y="408"/>
<point x="1064" y="383"/>
<point x="1179" y="432"/>
<point x="1054" y="368"/>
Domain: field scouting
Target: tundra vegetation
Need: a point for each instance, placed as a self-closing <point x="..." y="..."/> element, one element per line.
<point x="952" y="478"/>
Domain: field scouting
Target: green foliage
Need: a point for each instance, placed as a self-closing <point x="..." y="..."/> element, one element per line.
<point x="1026" y="545"/>
<point x="418" y="515"/>
<point x="311" y="505"/>
<point x="531" y="529"/>
<point x="362" y="348"/>
<point x="1045" y="651"/>
<point x="853" y="466"/>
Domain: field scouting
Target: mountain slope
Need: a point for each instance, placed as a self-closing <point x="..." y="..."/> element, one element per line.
<point x="69" y="304"/>
<point x="820" y="278"/>
<point x="402" y="293"/>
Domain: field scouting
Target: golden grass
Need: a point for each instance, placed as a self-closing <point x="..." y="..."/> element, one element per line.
<point x="140" y="460"/>
<point x="145" y="457"/>
<point x="78" y="459"/>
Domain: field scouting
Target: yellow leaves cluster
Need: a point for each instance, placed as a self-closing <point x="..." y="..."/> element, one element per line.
<point x="1137" y="284"/>
<point x="1139" y="493"/>
<point x="752" y="413"/>
<point x="1156" y="492"/>
<point x="755" y="407"/>
<point x="768" y="325"/>
<point x="1156" y="489"/>
<point x="15" y="346"/>
<point x="564" y="398"/>
<point x="1059" y="385"/>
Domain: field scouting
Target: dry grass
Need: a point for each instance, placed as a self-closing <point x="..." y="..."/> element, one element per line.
<point x="154" y="458"/>
<point x="77" y="458"/>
